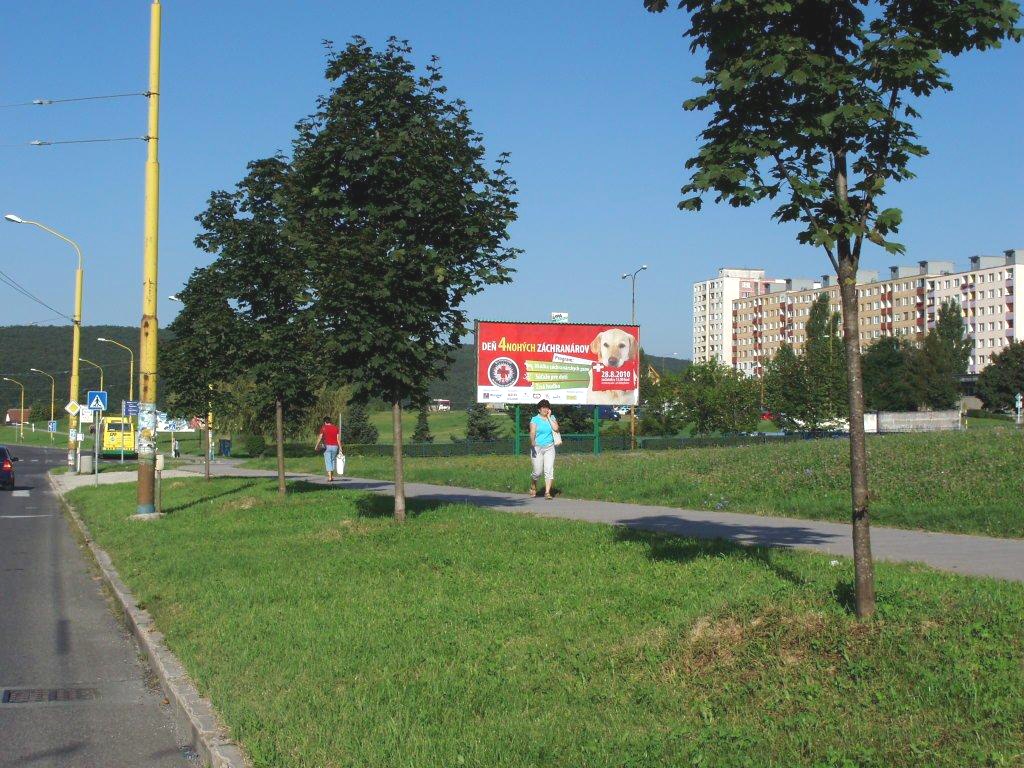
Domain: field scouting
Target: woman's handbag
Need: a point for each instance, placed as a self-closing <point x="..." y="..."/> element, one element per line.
<point x="339" y="463"/>
<point x="556" y="435"/>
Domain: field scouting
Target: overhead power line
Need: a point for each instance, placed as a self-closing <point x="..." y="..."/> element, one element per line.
<point x="48" y="102"/>
<point x="8" y="280"/>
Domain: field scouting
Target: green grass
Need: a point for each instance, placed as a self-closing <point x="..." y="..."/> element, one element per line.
<point x="964" y="482"/>
<point x="12" y="436"/>
<point x="443" y="425"/>
<point x="327" y="635"/>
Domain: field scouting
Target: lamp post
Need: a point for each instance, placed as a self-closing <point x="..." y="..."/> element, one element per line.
<point x="131" y="384"/>
<point x="632" y="320"/>
<point x="21" y="415"/>
<point x="53" y="394"/>
<point x="76" y="324"/>
<point x="146" y="448"/>
<point x="94" y="365"/>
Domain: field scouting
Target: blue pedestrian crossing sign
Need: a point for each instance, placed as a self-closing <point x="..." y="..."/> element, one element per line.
<point x="96" y="400"/>
<point x="51" y="426"/>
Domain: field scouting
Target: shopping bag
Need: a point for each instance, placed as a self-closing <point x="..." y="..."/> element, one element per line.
<point x="339" y="464"/>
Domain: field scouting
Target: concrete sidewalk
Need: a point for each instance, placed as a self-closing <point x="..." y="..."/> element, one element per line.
<point x="969" y="555"/>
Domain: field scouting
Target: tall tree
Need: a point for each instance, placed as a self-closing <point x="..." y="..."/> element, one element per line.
<point x="785" y="389"/>
<point x="825" y="366"/>
<point x="1003" y="378"/>
<point x="402" y="220"/>
<point x="814" y="100"/>
<point x="887" y="383"/>
<point x="264" y="277"/>
<point x="716" y="398"/>
<point x="480" y="425"/>
<point x="936" y="366"/>
<point x="951" y="329"/>
<point x="356" y="427"/>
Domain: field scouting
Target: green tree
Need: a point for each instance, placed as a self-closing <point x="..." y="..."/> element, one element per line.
<point x="480" y="425"/>
<point x="660" y="414"/>
<point x="263" y="275"/>
<point x="887" y="376"/>
<point x="824" y="366"/>
<point x="402" y="220"/>
<point x="716" y="398"/>
<point x="1003" y="378"/>
<point x="785" y="389"/>
<point x="422" y="432"/>
<point x="356" y="428"/>
<point x="950" y="328"/>
<point x="814" y="101"/>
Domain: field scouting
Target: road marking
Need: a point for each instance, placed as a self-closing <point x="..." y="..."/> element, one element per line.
<point x="21" y="494"/>
<point x="15" y="517"/>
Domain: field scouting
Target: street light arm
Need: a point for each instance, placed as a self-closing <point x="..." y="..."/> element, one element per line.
<point x="55" y="233"/>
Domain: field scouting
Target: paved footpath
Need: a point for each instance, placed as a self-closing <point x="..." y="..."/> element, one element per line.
<point x="72" y="689"/>
<point x="970" y="555"/>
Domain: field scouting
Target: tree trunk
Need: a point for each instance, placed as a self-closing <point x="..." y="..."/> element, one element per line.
<point x="279" y="435"/>
<point x="864" y="578"/>
<point x="209" y="447"/>
<point x="396" y="421"/>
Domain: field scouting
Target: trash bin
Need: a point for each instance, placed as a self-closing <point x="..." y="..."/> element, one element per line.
<point x="85" y="464"/>
<point x="225" y="448"/>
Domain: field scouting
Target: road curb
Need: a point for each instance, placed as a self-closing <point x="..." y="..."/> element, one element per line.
<point x="193" y="713"/>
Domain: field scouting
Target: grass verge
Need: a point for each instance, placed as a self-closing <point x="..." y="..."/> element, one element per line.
<point x="327" y="635"/>
<point x="963" y="482"/>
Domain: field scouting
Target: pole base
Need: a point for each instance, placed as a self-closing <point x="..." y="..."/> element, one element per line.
<point x="146" y="512"/>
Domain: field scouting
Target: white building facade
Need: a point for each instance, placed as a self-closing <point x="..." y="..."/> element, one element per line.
<point x="713" y="310"/>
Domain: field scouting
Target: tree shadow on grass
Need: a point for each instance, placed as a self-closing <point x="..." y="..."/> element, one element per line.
<point x="374" y="505"/>
<point x="209" y="497"/>
<point x="673" y="548"/>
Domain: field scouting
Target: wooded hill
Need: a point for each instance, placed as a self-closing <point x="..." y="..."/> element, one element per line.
<point x="48" y="348"/>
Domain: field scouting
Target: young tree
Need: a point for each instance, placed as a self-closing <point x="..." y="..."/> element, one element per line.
<point x="935" y="366"/>
<point x="950" y="328"/>
<point x="356" y="427"/>
<point x="1003" y="378"/>
<point x="887" y="379"/>
<point x="814" y="100"/>
<point x="422" y="432"/>
<point x="480" y="425"/>
<point x="263" y="275"/>
<point x="402" y="221"/>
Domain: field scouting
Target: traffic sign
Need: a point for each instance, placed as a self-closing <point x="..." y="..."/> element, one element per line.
<point x="73" y="434"/>
<point x="129" y="407"/>
<point x="96" y="400"/>
<point x="1019" y="399"/>
<point x="73" y="408"/>
<point x="51" y="426"/>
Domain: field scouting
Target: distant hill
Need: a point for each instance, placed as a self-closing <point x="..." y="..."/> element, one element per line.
<point x="49" y="348"/>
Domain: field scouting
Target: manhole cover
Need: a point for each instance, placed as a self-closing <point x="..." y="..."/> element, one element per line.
<point x="38" y="695"/>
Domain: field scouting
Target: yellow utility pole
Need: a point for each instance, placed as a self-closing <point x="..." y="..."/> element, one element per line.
<point x="53" y="395"/>
<point x="147" y="332"/>
<point x="76" y="324"/>
<point x="94" y="365"/>
<point x="21" y="415"/>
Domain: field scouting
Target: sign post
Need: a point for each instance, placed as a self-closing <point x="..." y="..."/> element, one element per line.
<point x="96" y="401"/>
<point x="1019" y="402"/>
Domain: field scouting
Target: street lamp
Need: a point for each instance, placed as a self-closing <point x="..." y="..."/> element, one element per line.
<point x="131" y="364"/>
<point x="21" y="415"/>
<point x="632" y="408"/>
<point x="76" y="324"/>
<point x="53" y="391"/>
<point x="94" y="365"/>
<point x="633" y="276"/>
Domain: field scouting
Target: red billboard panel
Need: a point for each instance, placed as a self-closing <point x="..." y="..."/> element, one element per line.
<point x="570" y="363"/>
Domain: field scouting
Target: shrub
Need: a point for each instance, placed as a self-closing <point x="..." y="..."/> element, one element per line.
<point x="254" y="445"/>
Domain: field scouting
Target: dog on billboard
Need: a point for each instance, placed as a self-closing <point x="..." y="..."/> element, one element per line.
<point x="613" y="348"/>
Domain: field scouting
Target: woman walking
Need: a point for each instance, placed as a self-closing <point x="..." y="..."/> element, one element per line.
<point x="330" y="439"/>
<point x="543" y="438"/>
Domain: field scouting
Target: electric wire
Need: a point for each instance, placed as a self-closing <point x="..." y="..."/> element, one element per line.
<point x="10" y="281"/>
<point x="48" y="102"/>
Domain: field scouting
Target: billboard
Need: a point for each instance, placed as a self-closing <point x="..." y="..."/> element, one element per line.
<point x="569" y="363"/>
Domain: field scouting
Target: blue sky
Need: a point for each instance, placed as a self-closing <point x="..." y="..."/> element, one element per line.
<point x="586" y="97"/>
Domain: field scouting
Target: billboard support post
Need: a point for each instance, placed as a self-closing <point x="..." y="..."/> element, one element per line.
<point x="597" y="430"/>
<point x="517" y="439"/>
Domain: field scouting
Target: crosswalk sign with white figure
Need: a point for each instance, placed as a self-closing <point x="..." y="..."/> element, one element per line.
<point x="96" y="400"/>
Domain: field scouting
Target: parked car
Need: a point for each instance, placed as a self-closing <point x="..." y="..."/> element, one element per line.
<point x="7" y="468"/>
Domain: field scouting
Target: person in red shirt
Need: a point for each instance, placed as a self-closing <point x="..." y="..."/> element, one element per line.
<point x="330" y="439"/>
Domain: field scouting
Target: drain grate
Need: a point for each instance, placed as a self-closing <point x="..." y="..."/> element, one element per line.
<point x="38" y="695"/>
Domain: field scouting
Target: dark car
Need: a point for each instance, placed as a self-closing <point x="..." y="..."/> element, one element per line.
<point x="6" y="469"/>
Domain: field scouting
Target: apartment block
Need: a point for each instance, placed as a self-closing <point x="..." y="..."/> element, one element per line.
<point x="713" y="310"/>
<point x="904" y="304"/>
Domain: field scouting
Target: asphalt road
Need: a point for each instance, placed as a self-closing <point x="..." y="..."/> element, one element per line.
<point x="73" y="691"/>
